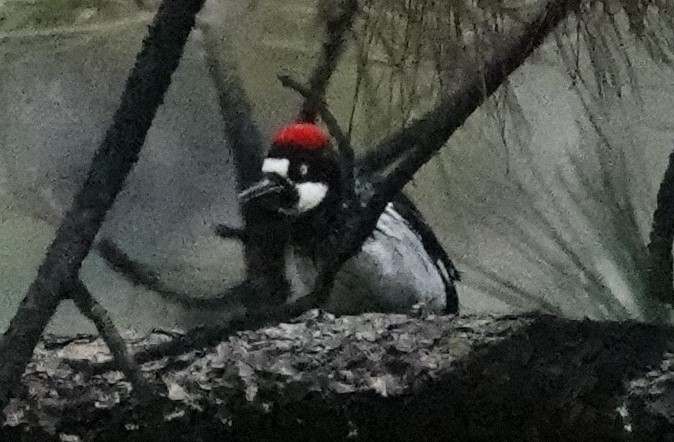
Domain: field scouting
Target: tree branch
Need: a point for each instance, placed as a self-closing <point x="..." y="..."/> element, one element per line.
<point x="264" y="248"/>
<point x="424" y="137"/>
<point x="429" y="134"/>
<point x="373" y="377"/>
<point x="137" y="273"/>
<point x="662" y="234"/>
<point x="337" y="17"/>
<point x="144" y="92"/>
<point x="140" y="274"/>
<point x="446" y="116"/>
<point x="241" y="132"/>
<point x="95" y="312"/>
<point x="226" y="232"/>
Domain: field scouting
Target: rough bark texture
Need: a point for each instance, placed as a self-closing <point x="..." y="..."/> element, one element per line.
<point x="370" y="377"/>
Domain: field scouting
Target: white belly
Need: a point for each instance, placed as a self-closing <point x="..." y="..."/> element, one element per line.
<point x="391" y="273"/>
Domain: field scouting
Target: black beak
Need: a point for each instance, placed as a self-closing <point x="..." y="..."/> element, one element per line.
<point x="268" y="192"/>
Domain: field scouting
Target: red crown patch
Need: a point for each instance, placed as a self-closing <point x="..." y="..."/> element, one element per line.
<point x="301" y="135"/>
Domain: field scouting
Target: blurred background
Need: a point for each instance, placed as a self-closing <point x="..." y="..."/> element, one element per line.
<point x="543" y="198"/>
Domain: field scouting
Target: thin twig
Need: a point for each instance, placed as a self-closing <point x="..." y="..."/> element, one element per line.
<point x="343" y="143"/>
<point x="95" y="312"/>
<point x="227" y="232"/>
<point x="337" y="19"/>
<point x="363" y="54"/>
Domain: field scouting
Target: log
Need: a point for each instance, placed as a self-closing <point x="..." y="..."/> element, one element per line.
<point x="367" y="377"/>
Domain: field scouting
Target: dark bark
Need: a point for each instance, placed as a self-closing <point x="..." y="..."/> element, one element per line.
<point x="369" y="377"/>
<point x="337" y="17"/>
<point x="97" y="314"/>
<point x="242" y="134"/>
<point x="142" y="275"/>
<point x="661" y="237"/>
<point x="264" y="246"/>
<point x="426" y="136"/>
<point x="144" y="92"/>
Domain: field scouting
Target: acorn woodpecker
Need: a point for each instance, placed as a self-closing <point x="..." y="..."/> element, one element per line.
<point x="402" y="262"/>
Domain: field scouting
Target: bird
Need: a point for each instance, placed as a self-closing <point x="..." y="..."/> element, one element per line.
<point x="400" y="266"/>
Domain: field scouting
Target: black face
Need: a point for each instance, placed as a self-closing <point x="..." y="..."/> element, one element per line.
<point x="296" y="181"/>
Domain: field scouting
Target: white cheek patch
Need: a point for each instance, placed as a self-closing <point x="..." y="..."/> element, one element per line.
<point x="279" y="166"/>
<point x="310" y="195"/>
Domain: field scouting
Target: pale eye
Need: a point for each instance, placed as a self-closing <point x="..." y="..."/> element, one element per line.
<point x="304" y="169"/>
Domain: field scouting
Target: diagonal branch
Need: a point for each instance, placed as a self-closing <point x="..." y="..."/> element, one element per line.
<point x="429" y="134"/>
<point x="144" y="91"/>
<point x="661" y="237"/>
<point x="142" y="275"/>
<point x="263" y="249"/>
<point x="227" y="232"/>
<point x="424" y="137"/>
<point x="337" y="17"/>
<point x="241" y="132"/>
<point x="468" y="95"/>
<point x="375" y="161"/>
<point x="95" y="312"/>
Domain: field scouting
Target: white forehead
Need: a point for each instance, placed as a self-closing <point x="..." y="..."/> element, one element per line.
<point x="279" y="166"/>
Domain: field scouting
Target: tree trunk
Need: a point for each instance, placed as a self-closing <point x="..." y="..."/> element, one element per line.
<point x="367" y="377"/>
